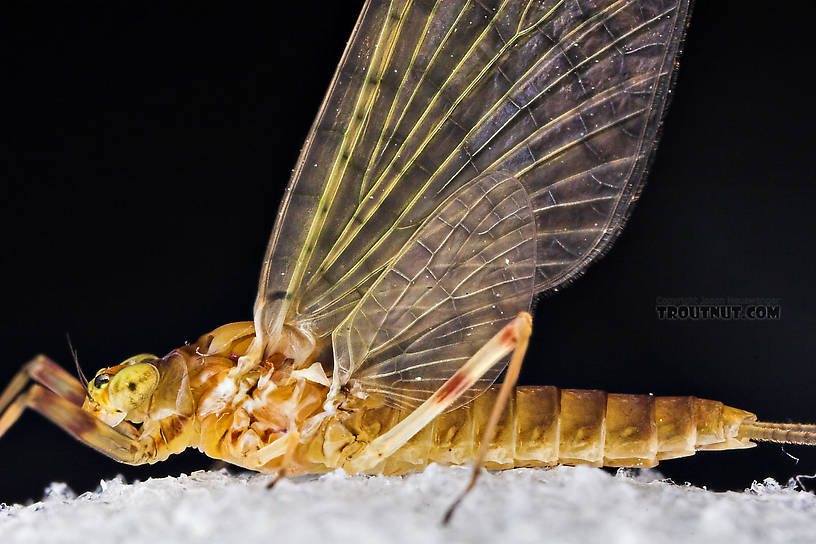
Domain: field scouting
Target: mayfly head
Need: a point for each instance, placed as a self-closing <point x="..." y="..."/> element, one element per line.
<point x="118" y="390"/>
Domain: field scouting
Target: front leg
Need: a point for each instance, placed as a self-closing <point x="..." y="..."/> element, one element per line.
<point x="60" y="400"/>
<point x="80" y="424"/>
<point x="43" y="370"/>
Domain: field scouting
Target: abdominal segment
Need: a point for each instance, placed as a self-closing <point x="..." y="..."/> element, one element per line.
<point x="543" y="426"/>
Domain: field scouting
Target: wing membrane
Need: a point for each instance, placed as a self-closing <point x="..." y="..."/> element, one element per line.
<point x="566" y="96"/>
<point x="465" y="273"/>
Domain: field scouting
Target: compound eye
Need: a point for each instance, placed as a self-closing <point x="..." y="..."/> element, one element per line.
<point x="132" y="386"/>
<point x="101" y="380"/>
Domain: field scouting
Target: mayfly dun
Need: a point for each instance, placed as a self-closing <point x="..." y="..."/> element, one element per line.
<point x="468" y="157"/>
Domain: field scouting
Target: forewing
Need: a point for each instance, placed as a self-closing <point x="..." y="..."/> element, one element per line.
<point x="465" y="273"/>
<point x="566" y="96"/>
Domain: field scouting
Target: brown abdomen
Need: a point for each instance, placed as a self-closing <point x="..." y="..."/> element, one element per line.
<point x="547" y="426"/>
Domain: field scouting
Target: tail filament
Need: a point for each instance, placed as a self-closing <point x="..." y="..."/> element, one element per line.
<point x="786" y="433"/>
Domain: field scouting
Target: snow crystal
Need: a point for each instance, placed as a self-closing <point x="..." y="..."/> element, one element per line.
<point x="565" y="504"/>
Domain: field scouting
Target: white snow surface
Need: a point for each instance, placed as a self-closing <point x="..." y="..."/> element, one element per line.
<point x="564" y="504"/>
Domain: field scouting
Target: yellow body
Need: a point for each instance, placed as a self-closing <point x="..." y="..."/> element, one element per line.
<point x="541" y="426"/>
<point x="283" y="418"/>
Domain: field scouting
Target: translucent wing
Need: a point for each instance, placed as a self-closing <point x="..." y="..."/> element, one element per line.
<point x="564" y="95"/>
<point x="466" y="272"/>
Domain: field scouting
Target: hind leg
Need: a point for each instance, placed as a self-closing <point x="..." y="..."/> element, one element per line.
<point x="508" y="384"/>
<point x="512" y="338"/>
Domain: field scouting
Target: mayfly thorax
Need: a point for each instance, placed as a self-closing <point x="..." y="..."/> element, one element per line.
<point x="468" y="157"/>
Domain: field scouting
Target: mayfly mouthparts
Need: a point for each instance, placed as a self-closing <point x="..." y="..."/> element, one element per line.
<point x="466" y="158"/>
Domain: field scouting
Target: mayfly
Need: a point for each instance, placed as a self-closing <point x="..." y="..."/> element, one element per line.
<point x="468" y="157"/>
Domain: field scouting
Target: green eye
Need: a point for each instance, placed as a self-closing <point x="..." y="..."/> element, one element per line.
<point x="101" y="380"/>
<point x="132" y="386"/>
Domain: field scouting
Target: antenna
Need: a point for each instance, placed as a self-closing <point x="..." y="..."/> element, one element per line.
<point x="81" y="375"/>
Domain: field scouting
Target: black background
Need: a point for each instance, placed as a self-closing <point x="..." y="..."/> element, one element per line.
<point x="148" y="148"/>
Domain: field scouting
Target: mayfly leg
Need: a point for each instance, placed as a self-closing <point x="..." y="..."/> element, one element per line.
<point x="43" y="370"/>
<point x="46" y="372"/>
<point x="61" y="402"/>
<point x="293" y="438"/>
<point x="512" y="338"/>
<point x="510" y="379"/>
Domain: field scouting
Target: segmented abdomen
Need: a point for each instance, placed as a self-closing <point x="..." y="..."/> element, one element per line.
<point x="548" y="426"/>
